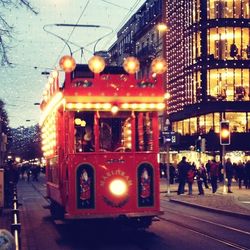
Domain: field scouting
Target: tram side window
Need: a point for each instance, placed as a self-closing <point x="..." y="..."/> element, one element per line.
<point x="84" y="131"/>
<point x="144" y="130"/>
<point x="52" y="170"/>
<point x="115" y="132"/>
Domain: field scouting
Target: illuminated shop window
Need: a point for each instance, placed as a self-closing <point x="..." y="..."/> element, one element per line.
<point x="197" y="86"/>
<point x="196" y="46"/>
<point x="186" y="127"/>
<point x="193" y="125"/>
<point x="179" y="127"/>
<point x="228" y="85"/>
<point x="229" y="43"/>
<point x="237" y="121"/>
<point x="228" y="9"/>
<point x="202" y="124"/>
<point x="217" y="122"/>
<point x="248" y="122"/>
<point x="209" y="123"/>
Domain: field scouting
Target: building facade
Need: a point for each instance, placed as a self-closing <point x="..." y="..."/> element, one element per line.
<point x="208" y="52"/>
<point x="140" y="37"/>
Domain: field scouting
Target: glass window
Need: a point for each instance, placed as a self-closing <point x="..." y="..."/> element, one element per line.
<point x="228" y="9"/>
<point x="84" y="131"/>
<point x="144" y="131"/>
<point x="193" y="125"/>
<point x="228" y="43"/>
<point x="115" y="132"/>
<point x="248" y="122"/>
<point x="217" y="122"/>
<point x="245" y="7"/>
<point x="179" y="127"/>
<point x="186" y="127"/>
<point x="202" y="124"/>
<point x="237" y="121"/>
<point x="53" y="170"/>
<point x="209" y="123"/>
<point x="228" y="84"/>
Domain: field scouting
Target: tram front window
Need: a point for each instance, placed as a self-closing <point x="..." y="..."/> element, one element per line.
<point x="84" y="132"/>
<point x="115" y="132"/>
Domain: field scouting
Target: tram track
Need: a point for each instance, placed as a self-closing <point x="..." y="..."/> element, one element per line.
<point x="203" y="232"/>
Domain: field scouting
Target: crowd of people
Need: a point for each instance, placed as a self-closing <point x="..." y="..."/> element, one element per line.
<point x="208" y="174"/>
<point x="13" y="172"/>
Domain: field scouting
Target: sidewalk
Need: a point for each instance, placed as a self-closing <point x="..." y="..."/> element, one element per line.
<point x="237" y="203"/>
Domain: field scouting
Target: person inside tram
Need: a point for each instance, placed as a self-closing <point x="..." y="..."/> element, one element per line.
<point x="87" y="145"/>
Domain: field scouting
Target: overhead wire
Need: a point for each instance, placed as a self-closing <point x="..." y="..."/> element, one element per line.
<point x="123" y="20"/>
<point x="84" y="9"/>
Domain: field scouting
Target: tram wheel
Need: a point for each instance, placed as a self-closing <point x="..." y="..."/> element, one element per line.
<point x="143" y="222"/>
<point x="56" y="211"/>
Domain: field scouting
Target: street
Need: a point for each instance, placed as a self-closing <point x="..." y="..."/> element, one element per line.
<point x="180" y="227"/>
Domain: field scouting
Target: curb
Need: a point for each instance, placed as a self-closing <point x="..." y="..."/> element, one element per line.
<point x="220" y="211"/>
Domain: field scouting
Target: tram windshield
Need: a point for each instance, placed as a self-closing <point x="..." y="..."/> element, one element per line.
<point x="115" y="132"/>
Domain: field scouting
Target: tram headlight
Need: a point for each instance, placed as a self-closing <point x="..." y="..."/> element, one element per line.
<point x="118" y="187"/>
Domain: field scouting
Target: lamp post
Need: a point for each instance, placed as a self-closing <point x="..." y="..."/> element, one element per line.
<point x="167" y="141"/>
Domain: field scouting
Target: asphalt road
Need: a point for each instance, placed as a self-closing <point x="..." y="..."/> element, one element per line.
<point x="181" y="227"/>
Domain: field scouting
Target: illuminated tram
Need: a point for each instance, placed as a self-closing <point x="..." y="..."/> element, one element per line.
<point x="100" y="135"/>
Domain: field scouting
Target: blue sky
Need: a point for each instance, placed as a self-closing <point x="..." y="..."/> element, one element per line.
<point x="34" y="50"/>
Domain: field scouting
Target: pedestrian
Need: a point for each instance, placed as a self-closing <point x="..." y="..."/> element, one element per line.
<point x="28" y="172"/>
<point x="214" y="173"/>
<point x="207" y="167"/>
<point x="200" y="180"/>
<point x="204" y="175"/>
<point x="190" y="178"/>
<point x="7" y="241"/>
<point x="240" y="173"/>
<point x="229" y="174"/>
<point x="183" y="167"/>
<point x="247" y="174"/>
<point x="171" y="173"/>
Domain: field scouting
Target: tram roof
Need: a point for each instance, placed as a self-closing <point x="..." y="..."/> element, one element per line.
<point x="83" y="71"/>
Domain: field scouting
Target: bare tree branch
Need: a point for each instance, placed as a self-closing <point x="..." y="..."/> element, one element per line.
<point x="6" y="31"/>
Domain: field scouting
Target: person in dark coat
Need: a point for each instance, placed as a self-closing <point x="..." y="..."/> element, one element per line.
<point x="200" y="180"/>
<point x="240" y="173"/>
<point x="214" y="173"/>
<point x="190" y="178"/>
<point x="247" y="174"/>
<point x="183" y="168"/>
<point x="229" y="174"/>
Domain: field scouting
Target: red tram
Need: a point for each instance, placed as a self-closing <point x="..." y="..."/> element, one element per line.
<point x="100" y="135"/>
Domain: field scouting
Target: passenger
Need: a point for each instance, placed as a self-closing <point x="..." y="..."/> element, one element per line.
<point x="87" y="145"/>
